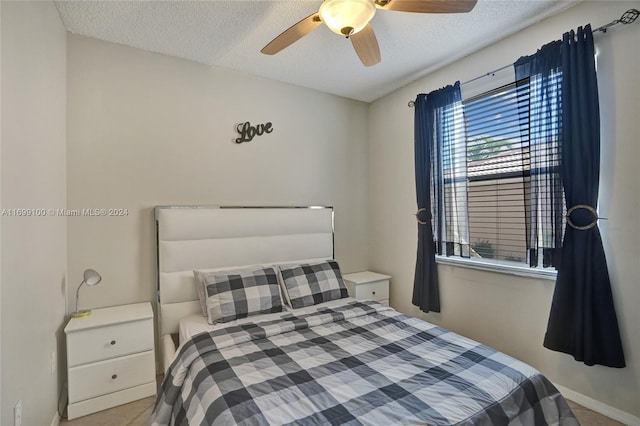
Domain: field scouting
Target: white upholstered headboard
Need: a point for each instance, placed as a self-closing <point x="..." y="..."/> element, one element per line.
<point x="204" y="237"/>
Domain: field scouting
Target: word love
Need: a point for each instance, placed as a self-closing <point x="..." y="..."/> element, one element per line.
<point x="248" y="132"/>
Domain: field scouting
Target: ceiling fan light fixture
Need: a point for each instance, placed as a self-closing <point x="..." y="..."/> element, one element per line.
<point x="347" y="17"/>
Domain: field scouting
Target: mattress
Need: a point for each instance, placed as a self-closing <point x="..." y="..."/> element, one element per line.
<point x="352" y="362"/>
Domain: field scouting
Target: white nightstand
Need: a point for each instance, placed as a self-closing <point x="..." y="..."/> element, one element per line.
<point x="368" y="285"/>
<point x="110" y="358"/>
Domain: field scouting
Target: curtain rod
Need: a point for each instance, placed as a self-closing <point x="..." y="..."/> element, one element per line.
<point x="627" y="18"/>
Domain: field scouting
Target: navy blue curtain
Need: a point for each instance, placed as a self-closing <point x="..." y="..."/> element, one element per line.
<point x="432" y="130"/>
<point x="583" y="320"/>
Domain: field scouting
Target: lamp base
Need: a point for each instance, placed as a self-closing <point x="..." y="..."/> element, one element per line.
<point x="81" y="314"/>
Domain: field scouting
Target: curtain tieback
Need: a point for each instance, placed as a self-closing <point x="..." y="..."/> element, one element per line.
<point x="417" y="215"/>
<point x="589" y="209"/>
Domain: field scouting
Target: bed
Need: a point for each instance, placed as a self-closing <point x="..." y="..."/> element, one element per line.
<point x="294" y="348"/>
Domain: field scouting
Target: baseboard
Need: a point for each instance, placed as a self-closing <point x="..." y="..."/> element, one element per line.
<point x="56" y="420"/>
<point x="599" y="407"/>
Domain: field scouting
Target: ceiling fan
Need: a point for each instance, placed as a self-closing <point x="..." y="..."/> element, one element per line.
<point x="350" y="18"/>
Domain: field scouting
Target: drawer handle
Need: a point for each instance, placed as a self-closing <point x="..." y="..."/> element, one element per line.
<point x="114" y="376"/>
<point x="113" y="342"/>
<point x="373" y="292"/>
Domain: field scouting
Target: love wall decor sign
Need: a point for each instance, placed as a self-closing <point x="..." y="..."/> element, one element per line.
<point x="247" y="131"/>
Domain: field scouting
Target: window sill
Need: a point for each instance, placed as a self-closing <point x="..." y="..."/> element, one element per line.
<point x="498" y="267"/>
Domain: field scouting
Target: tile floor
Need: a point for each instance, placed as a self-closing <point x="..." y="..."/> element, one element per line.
<point x="587" y="417"/>
<point x="137" y="414"/>
<point x="133" y="414"/>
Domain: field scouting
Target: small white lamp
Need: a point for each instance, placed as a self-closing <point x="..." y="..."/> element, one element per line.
<point x="91" y="278"/>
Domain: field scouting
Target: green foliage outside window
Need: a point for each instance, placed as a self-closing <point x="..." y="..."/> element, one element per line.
<point x="483" y="248"/>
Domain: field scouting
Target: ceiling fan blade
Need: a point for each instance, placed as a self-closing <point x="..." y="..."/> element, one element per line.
<point x="428" y="6"/>
<point x="366" y="45"/>
<point x="293" y="34"/>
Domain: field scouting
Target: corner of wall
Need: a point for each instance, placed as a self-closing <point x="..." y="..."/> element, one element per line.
<point x="0" y="208"/>
<point x="33" y="86"/>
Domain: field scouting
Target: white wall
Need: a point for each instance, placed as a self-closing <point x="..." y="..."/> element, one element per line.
<point x="146" y="129"/>
<point x="0" y="208"/>
<point x="508" y="312"/>
<point x="33" y="175"/>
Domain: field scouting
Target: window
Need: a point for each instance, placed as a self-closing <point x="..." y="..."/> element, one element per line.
<point x="497" y="166"/>
<point x="489" y="176"/>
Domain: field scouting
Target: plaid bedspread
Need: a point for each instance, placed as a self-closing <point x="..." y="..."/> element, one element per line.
<point x="359" y="363"/>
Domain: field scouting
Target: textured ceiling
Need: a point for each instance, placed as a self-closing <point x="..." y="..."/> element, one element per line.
<point x="230" y="34"/>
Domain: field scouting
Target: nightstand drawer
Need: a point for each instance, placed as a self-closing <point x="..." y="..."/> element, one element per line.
<point x="101" y="378"/>
<point x="377" y="290"/>
<point x="110" y="341"/>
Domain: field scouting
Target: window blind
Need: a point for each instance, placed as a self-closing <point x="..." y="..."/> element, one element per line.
<point x="496" y="174"/>
<point x="498" y="167"/>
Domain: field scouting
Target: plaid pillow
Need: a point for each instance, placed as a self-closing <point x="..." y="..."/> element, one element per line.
<point x="313" y="283"/>
<point x="241" y="294"/>
<point x="201" y="284"/>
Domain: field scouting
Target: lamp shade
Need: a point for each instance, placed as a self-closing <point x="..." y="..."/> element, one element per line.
<point x="347" y="17"/>
<point x="91" y="277"/>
